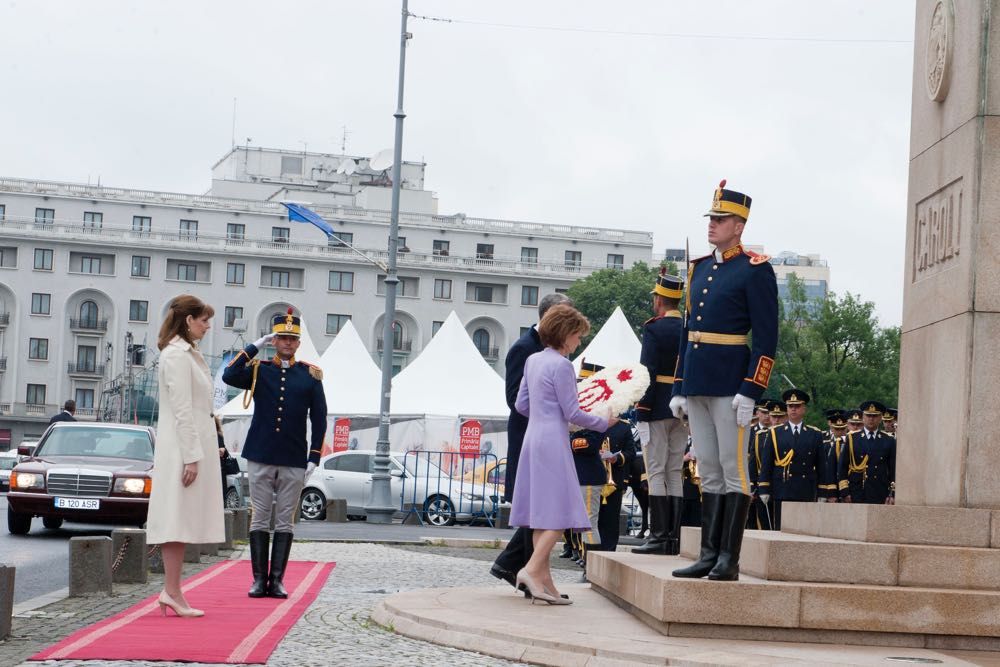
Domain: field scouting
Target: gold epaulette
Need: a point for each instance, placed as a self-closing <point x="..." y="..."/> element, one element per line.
<point x="813" y="428"/>
<point x="652" y="319"/>
<point x="756" y="259"/>
<point x="314" y="371"/>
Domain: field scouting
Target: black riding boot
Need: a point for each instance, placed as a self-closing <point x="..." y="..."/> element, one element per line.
<point x="258" y="562"/>
<point x="659" y="525"/>
<point x="674" y="525"/>
<point x="711" y="536"/>
<point x="728" y="566"/>
<point x="279" y="559"/>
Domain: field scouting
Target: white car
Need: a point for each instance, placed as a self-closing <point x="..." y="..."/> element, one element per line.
<point x="420" y="487"/>
<point x="7" y="462"/>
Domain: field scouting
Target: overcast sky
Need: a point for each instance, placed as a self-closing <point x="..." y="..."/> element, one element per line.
<point x="586" y="122"/>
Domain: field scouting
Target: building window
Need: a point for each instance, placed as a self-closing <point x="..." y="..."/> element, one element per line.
<point x="84" y="399"/>
<point x="189" y="230"/>
<point x="235" y="274"/>
<point x="188" y="272"/>
<point x="291" y="165"/>
<point x="529" y="255"/>
<point x="397" y="336"/>
<point x="280" y="234"/>
<point x="43" y="259"/>
<point x="335" y="322"/>
<point x="279" y="278"/>
<point x="40" y="303"/>
<point x="340" y="240"/>
<point x="45" y="216"/>
<point x="341" y="281"/>
<point x="481" y="339"/>
<point x="89" y="314"/>
<point x="142" y="224"/>
<point x="90" y="264"/>
<point x="138" y="353"/>
<point x="86" y="358"/>
<point x="483" y="293"/>
<point x="407" y="286"/>
<point x="441" y="248"/>
<point x="138" y="311"/>
<point x="3" y="212"/>
<point x="574" y="258"/>
<point x="435" y="327"/>
<point x="92" y="221"/>
<point x="38" y="348"/>
<point x="401" y="244"/>
<point x="529" y="295"/>
<point x="35" y="395"/>
<point x="442" y="288"/>
<point x="233" y="313"/>
<point x="616" y="262"/>
<point x="484" y="251"/>
<point x="140" y="266"/>
<point x="236" y="231"/>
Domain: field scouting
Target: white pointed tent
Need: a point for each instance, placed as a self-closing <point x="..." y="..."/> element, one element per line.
<point x="615" y="344"/>
<point x="450" y="377"/>
<point x="307" y="352"/>
<point x="351" y="380"/>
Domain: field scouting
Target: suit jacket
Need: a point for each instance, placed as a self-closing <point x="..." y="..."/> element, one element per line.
<point x="62" y="417"/>
<point x="517" y="424"/>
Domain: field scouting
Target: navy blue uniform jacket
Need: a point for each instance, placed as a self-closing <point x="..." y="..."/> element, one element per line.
<point x="283" y="400"/>
<point x="867" y="467"/>
<point x="586" y="446"/>
<point x="661" y="339"/>
<point x="733" y="297"/>
<point x="804" y="475"/>
<point x="517" y="424"/>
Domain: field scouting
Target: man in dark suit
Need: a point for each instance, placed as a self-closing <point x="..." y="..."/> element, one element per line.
<point x="519" y="549"/>
<point x="69" y="409"/>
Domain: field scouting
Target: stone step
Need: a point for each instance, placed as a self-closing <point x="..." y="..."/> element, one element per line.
<point x="849" y="613"/>
<point x="894" y="524"/>
<point x="780" y="556"/>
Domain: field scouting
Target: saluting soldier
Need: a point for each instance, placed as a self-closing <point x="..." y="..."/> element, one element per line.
<point x="868" y="461"/>
<point x="792" y="464"/>
<point x="731" y="293"/>
<point x="286" y="395"/>
<point x="666" y="436"/>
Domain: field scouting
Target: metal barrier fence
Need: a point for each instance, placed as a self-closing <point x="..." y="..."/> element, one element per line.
<point x="442" y="488"/>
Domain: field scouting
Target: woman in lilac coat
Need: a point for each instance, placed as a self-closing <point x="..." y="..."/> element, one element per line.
<point x="547" y="495"/>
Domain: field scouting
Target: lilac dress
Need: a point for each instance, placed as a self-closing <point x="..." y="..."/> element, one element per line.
<point x="547" y="493"/>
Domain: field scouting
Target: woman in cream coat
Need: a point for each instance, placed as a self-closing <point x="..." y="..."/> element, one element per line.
<point x="185" y="506"/>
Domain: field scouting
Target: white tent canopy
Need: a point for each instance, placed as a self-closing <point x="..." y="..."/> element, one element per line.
<point x="351" y="380"/>
<point x="614" y="345"/>
<point x="450" y="377"/>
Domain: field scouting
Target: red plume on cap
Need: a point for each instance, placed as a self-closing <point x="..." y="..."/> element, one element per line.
<point x="722" y="183"/>
<point x="291" y="310"/>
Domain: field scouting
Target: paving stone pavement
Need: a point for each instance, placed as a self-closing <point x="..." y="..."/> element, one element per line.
<point x="336" y="629"/>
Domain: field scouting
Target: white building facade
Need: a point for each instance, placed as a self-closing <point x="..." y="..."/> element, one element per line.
<point x="81" y="266"/>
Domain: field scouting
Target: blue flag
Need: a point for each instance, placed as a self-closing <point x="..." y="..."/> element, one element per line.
<point x="300" y="213"/>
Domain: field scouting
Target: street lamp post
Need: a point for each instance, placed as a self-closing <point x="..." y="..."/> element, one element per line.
<point x="380" y="508"/>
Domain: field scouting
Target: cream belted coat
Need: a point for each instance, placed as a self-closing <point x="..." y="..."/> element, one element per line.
<point x="185" y="433"/>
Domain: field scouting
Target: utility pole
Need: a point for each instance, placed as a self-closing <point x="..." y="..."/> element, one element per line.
<point x="381" y="507"/>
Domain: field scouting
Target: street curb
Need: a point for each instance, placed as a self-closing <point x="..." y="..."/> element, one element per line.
<point x="40" y="601"/>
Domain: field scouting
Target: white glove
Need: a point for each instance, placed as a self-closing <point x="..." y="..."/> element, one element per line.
<point x="764" y="497"/>
<point x="309" y="469"/>
<point x="263" y="340"/>
<point x="744" y="406"/>
<point x="679" y="406"/>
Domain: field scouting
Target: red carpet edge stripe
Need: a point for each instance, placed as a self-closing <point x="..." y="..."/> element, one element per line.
<point x="249" y="643"/>
<point x="97" y="633"/>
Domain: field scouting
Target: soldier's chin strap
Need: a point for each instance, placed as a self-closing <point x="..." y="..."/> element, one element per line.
<point x="248" y="394"/>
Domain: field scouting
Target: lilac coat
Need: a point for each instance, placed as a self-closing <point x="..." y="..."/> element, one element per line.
<point x="547" y="495"/>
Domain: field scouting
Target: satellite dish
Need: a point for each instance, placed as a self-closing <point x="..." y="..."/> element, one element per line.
<point x="351" y="167"/>
<point x="342" y="168"/>
<point x="382" y="160"/>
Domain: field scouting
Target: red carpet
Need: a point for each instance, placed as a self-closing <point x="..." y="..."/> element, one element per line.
<point x="234" y="629"/>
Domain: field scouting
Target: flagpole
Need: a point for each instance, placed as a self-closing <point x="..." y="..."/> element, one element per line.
<point x="380" y="508"/>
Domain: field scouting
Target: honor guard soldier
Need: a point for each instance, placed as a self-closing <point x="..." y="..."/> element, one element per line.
<point x="833" y="442"/>
<point x="792" y="464"/>
<point x="854" y="420"/>
<point x="665" y="436"/>
<point x="889" y="421"/>
<point x="731" y="293"/>
<point x="616" y="449"/>
<point x="760" y="514"/>
<point x="287" y="394"/>
<point x="868" y="461"/>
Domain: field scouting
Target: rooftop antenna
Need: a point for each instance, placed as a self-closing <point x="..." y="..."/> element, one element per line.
<point x="343" y="140"/>
<point x="234" y="124"/>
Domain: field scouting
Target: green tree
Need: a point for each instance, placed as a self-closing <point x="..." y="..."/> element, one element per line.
<point x="597" y="295"/>
<point x="835" y="349"/>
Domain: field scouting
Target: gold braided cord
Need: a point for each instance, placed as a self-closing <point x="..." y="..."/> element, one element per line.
<point x="248" y="394"/>
<point x="853" y="467"/>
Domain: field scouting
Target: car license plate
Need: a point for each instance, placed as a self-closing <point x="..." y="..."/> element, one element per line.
<point x="78" y="503"/>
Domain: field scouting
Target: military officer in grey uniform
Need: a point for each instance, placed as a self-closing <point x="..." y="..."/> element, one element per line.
<point x="663" y="436"/>
<point x="286" y="395"/>
<point x="731" y="293"/>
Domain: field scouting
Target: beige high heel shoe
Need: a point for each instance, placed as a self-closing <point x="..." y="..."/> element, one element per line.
<point x="524" y="582"/>
<point x="166" y="601"/>
<point x="558" y="599"/>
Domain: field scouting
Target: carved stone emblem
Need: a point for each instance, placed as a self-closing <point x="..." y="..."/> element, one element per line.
<point x="940" y="39"/>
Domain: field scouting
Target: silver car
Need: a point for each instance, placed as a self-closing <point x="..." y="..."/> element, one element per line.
<point x="416" y="485"/>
